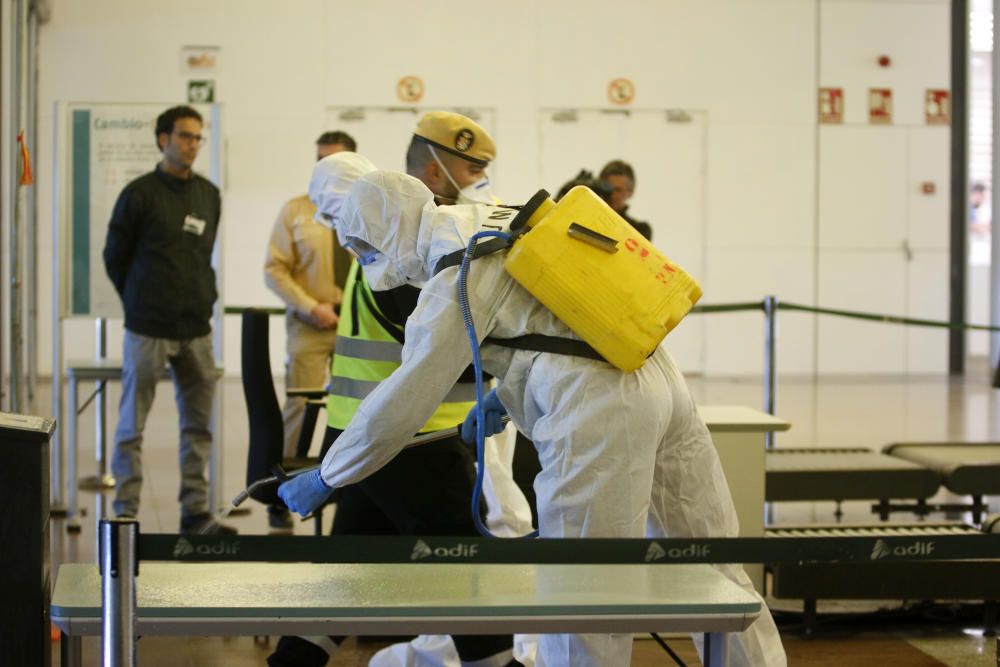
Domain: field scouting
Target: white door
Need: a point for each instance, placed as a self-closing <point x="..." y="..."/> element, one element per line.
<point x="667" y="151"/>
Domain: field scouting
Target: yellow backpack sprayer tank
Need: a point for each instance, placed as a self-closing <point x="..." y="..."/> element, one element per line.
<point x="610" y="285"/>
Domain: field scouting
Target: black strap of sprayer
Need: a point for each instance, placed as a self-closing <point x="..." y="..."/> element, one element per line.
<point x="551" y="344"/>
<point x="482" y="249"/>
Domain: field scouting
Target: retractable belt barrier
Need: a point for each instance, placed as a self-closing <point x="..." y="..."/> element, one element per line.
<point x="239" y="310"/>
<point x="122" y="548"/>
<point x="858" y="315"/>
<point x="770" y="307"/>
<point x="749" y="306"/>
<point x="391" y="549"/>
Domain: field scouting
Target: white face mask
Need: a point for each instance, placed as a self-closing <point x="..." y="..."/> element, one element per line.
<point x="479" y="192"/>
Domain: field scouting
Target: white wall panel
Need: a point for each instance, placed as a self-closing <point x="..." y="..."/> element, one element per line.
<point x="466" y="54"/>
<point x="735" y="341"/>
<point x="871" y="281"/>
<point x="929" y="162"/>
<point x="927" y="298"/>
<point x="747" y="61"/>
<point x="862" y="191"/>
<point x="761" y="186"/>
<point x="853" y="34"/>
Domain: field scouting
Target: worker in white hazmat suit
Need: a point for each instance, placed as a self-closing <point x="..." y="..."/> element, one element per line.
<point x="508" y="513"/>
<point x="622" y="454"/>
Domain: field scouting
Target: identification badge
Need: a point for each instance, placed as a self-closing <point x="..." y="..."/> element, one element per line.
<point x="194" y="225"/>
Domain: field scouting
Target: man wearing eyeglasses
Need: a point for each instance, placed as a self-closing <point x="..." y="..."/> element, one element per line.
<point x="158" y="254"/>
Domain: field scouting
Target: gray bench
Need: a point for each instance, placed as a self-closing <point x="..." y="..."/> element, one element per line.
<point x="845" y="473"/>
<point x="965" y="468"/>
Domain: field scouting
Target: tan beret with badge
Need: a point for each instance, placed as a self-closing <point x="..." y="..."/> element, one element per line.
<point x="457" y="135"/>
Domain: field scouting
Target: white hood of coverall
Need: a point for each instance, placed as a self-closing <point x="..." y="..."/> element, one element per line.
<point x="331" y="180"/>
<point x="396" y="213"/>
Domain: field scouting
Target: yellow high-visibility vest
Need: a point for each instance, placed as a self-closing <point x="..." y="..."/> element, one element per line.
<point x="368" y="352"/>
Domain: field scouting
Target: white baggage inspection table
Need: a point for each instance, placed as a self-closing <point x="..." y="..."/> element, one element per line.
<point x="210" y="599"/>
<point x="739" y="434"/>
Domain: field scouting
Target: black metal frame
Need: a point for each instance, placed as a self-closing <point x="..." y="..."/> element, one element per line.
<point x="959" y="177"/>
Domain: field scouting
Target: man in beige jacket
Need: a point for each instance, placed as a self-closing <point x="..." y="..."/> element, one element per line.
<point x="306" y="267"/>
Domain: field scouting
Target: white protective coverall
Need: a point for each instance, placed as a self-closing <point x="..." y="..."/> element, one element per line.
<point x="622" y="454"/>
<point x="507" y="510"/>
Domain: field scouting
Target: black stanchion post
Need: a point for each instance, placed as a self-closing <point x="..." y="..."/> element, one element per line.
<point x="119" y="567"/>
<point x="770" y="340"/>
<point x="24" y="534"/>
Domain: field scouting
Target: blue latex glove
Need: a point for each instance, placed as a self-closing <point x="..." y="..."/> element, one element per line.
<point x="305" y="493"/>
<point x="495" y="412"/>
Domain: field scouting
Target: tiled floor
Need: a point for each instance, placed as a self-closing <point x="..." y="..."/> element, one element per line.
<point x="867" y="411"/>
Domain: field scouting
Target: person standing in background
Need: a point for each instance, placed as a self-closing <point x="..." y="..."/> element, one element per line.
<point x="158" y="255"/>
<point x="307" y="269"/>
<point x="979" y="210"/>
<point x="621" y="177"/>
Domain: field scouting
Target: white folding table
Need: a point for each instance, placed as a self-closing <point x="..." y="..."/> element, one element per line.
<point x="209" y="599"/>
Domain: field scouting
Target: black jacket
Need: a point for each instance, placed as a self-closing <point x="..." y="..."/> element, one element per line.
<point x="644" y="228"/>
<point x="158" y="254"/>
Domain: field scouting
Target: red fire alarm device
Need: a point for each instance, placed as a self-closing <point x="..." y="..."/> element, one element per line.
<point x="928" y="187"/>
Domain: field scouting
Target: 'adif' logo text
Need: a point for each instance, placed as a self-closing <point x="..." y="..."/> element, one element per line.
<point x="422" y="550"/>
<point x="690" y="551"/>
<point x="184" y="548"/>
<point x="883" y="550"/>
<point x="657" y="552"/>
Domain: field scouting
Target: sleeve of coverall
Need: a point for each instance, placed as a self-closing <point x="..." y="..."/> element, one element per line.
<point x="280" y="263"/>
<point x="435" y="354"/>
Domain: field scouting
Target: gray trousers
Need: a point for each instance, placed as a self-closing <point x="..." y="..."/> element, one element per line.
<point x="193" y="368"/>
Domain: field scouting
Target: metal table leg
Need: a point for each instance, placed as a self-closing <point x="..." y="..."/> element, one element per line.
<point x="70" y="650"/>
<point x="57" y="508"/>
<point x="716" y="649"/>
<point x="102" y="480"/>
<point x="72" y="505"/>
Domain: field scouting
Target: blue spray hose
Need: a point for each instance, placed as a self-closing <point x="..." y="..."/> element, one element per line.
<point x="463" y="302"/>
